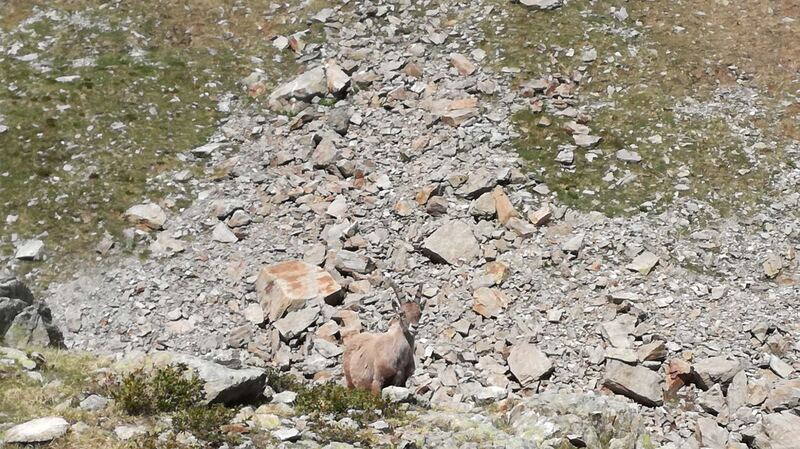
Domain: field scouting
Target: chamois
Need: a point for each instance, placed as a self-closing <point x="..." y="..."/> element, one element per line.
<point x="374" y="361"/>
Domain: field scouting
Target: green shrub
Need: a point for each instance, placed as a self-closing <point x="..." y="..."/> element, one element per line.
<point x="282" y="382"/>
<point x="339" y="401"/>
<point x="204" y="422"/>
<point x="164" y="390"/>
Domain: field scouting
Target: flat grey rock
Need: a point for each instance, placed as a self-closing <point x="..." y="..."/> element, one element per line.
<point x="636" y="382"/>
<point x="453" y="243"/>
<point x="39" y="430"/>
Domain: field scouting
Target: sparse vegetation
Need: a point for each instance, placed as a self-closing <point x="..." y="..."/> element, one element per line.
<point x="638" y="94"/>
<point x="116" y="94"/>
<point x="165" y="390"/>
<point x="339" y="402"/>
<point x="204" y="422"/>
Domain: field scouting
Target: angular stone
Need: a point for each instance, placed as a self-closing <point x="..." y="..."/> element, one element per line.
<point x="288" y="286"/>
<point x="618" y="332"/>
<point x="453" y="243"/>
<point x="713" y="370"/>
<point x="295" y="323"/>
<point x="653" y="351"/>
<point x="125" y="433"/>
<point x="626" y="355"/>
<point x="396" y="394"/>
<point x="458" y="117"/>
<point x="462" y="64"/>
<point x="737" y="392"/>
<point x="505" y="210"/>
<point x="304" y="87"/>
<point x="254" y="313"/>
<point x="712" y="400"/>
<point x="286" y="435"/>
<point x="489" y="302"/>
<point x="150" y="215"/>
<point x="483" y="206"/>
<point x="33" y="326"/>
<point x="223" y="234"/>
<point x="643" y="263"/>
<point x="573" y="245"/>
<point x="350" y="262"/>
<point x="479" y="182"/>
<point x="586" y="140"/>
<point x="165" y="245"/>
<point x="541" y="216"/>
<point x="520" y="227"/>
<point x="710" y="435"/>
<point x="679" y="373"/>
<point x="772" y="265"/>
<point x="778" y="431"/>
<point x="543" y="4"/>
<point x="94" y="403"/>
<point x="39" y="430"/>
<point x="628" y="156"/>
<point x="784" y="395"/>
<point x="336" y="79"/>
<point x="636" y="382"/>
<point x="528" y="363"/>
<point x="780" y="367"/>
<point x="30" y="250"/>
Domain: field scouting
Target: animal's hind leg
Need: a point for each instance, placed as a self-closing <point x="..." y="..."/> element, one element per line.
<point x="377" y="386"/>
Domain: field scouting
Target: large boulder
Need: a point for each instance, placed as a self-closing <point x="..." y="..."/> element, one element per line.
<point x="289" y="286"/>
<point x="24" y="321"/>
<point x="221" y="384"/>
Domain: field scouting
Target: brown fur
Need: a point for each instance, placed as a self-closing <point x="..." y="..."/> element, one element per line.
<point x="374" y="361"/>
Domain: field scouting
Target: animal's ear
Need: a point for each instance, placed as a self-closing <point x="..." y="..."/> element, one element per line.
<point x="418" y="298"/>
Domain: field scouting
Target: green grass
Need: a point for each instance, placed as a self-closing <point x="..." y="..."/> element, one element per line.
<point x="159" y="67"/>
<point x="649" y="86"/>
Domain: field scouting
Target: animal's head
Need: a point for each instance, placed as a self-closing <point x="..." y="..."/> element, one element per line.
<point x="409" y="312"/>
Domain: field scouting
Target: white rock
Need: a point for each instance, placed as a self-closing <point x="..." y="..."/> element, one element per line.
<point x="453" y="243"/>
<point x="528" y="363"/>
<point x="150" y="215"/>
<point x="39" y="430"/>
<point x="30" y="250"/>
<point x="222" y="233"/>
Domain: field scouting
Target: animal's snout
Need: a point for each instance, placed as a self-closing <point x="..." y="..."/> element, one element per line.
<point x="413" y="327"/>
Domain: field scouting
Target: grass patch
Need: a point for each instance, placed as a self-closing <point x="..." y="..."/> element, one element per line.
<point x="204" y="422"/>
<point x="344" y="434"/>
<point x="164" y="390"/>
<point x="338" y="401"/>
<point x="101" y="99"/>
<point x="638" y="95"/>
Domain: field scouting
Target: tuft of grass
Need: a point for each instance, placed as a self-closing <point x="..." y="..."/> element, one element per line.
<point x="282" y="381"/>
<point x="165" y="390"/>
<point x="339" y="433"/>
<point x="338" y="401"/>
<point x="205" y="422"/>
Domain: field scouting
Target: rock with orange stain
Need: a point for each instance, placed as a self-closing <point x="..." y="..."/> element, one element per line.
<point x="289" y="286"/>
